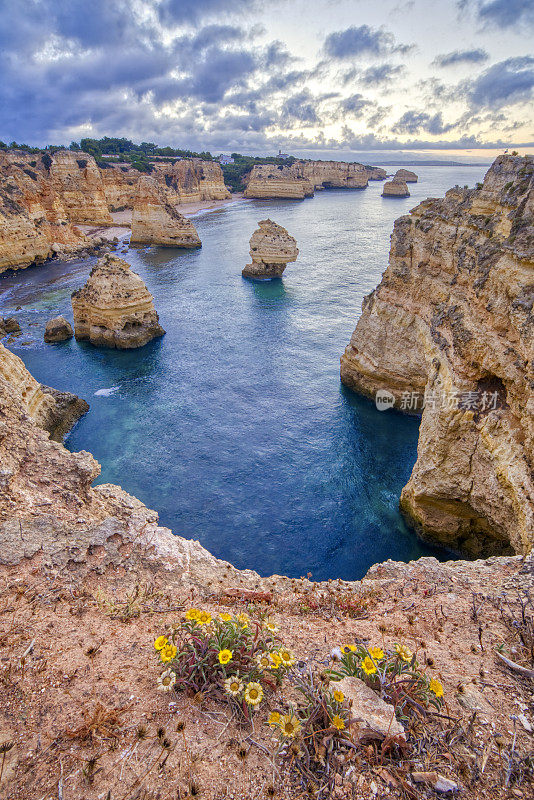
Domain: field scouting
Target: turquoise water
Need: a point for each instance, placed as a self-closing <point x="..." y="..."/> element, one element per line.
<point x="234" y="426"/>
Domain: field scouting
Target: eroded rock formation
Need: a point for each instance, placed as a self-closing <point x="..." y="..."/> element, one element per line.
<point x="271" y="249"/>
<point x="395" y="188"/>
<point x="52" y="411"/>
<point x="302" y="178"/>
<point x="155" y="220"/>
<point x="193" y="180"/>
<point x="453" y="318"/>
<point x="115" y="308"/>
<point x="405" y="175"/>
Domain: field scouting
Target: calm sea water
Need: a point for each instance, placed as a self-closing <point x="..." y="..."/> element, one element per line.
<point x="234" y="426"/>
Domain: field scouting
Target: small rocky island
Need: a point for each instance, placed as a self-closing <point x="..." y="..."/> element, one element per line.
<point x="156" y="221"/>
<point x="405" y="175"/>
<point x="271" y="249"/>
<point x="395" y="188"/>
<point x="115" y="308"/>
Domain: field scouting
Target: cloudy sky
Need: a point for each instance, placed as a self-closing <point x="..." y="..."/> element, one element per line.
<point x="332" y="78"/>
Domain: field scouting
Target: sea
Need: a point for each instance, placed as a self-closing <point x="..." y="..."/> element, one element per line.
<point x="234" y="426"/>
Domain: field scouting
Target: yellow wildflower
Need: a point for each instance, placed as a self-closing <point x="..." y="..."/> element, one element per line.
<point x="338" y="696"/>
<point x="253" y="694"/>
<point x="274" y="719"/>
<point x="286" y="657"/>
<point x="225" y="616"/>
<point x="403" y="652"/>
<point x="348" y="648"/>
<point x="263" y="660"/>
<point x="192" y="614"/>
<point x="233" y="686"/>
<point x="225" y="656"/>
<point x="243" y="620"/>
<point x="275" y="660"/>
<point x="436" y="687"/>
<point x="376" y="653"/>
<point x="271" y="626"/>
<point x="338" y="723"/>
<point x="368" y="667"/>
<point x="204" y="618"/>
<point x="290" y="725"/>
<point x="168" y="652"/>
<point x="160" y="642"/>
<point x="166" y="681"/>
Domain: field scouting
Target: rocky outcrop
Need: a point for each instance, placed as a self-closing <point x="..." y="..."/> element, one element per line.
<point x="156" y="221"/>
<point x="52" y="411"/>
<point x="193" y="180"/>
<point x="405" y="175"/>
<point x="9" y="325"/>
<point x="271" y="181"/>
<point x="376" y="173"/>
<point x="453" y="319"/>
<point x="120" y="185"/>
<point x="57" y="330"/>
<point x="41" y="196"/>
<point x="395" y="188"/>
<point x="271" y="249"/>
<point x="334" y="174"/>
<point x="115" y="308"/>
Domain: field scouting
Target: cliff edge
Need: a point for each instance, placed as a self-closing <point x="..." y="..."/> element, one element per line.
<point x="449" y="333"/>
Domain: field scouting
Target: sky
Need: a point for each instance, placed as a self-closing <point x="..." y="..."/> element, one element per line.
<point x="388" y="79"/>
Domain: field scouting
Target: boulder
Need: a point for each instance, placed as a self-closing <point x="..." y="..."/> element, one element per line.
<point x="57" y="330"/>
<point x="10" y="325"/>
<point x="271" y="249"/>
<point x="370" y="717"/>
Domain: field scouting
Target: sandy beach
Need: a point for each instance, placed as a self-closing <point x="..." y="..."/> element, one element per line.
<point x="122" y="220"/>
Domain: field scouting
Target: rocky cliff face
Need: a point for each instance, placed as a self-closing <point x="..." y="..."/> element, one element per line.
<point x="41" y="196"/>
<point x="271" y="249"/>
<point x="453" y="319"/>
<point x="120" y="185"/>
<point x="52" y="411"/>
<point x="155" y="220"/>
<point x="300" y="180"/>
<point x="193" y="180"/>
<point x="115" y="308"/>
<point x="272" y="181"/>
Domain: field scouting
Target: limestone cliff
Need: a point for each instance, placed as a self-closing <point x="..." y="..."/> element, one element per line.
<point x="334" y="174"/>
<point x="271" y="249"/>
<point x="53" y="411"/>
<point x="41" y="196"/>
<point x="453" y="317"/>
<point x="193" y="180"/>
<point x="156" y="221"/>
<point x="272" y="181"/>
<point x="120" y="185"/>
<point x="115" y="308"/>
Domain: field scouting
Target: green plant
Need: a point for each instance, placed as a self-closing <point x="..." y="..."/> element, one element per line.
<point x="393" y="674"/>
<point x="228" y="656"/>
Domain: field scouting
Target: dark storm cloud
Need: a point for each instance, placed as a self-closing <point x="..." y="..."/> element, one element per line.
<point x="502" y="13"/>
<point x="383" y="73"/>
<point x="508" y="82"/>
<point x="476" y="56"/>
<point x="300" y="107"/>
<point x="355" y="42"/>
<point x="413" y="122"/>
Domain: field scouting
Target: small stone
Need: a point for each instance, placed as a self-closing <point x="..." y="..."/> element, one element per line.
<point x="371" y="717"/>
<point x="57" y="330"/>
<point x="437" y="781"/>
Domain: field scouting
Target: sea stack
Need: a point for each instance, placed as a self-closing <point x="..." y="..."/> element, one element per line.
<point x="451" y="323"/>
<point x="395" y="188"/>
<point x="115" y="308"/>
<point x="156" y="221"/>
<point x="271" y="249"/>
<point x="405" y="175"/>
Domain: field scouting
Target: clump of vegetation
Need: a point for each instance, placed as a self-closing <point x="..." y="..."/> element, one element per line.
<point x="394" y="674"/>
<point x="227" y="656"/>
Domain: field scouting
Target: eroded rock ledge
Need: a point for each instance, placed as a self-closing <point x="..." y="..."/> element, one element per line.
<point x="156" y="221"/>
<point x="453" y="318"/>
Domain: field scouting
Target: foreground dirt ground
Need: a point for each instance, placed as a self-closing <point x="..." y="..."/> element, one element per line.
<point x="80" y="717"/>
